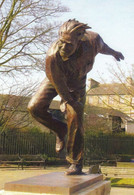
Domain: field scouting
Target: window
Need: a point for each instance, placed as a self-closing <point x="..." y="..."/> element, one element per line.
<point x="100" y="99"/>
<point x="7" y="107"/>
<point x="132" y="115"/>
<point x="111" y="99"/>
<point x="132" y="101"/>
<point x="122" y="99"/>
<point x="90" y="100"/>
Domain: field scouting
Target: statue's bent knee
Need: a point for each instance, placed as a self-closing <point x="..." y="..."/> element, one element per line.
<point x="37" y="109"/>
<point x="33" y="108"/>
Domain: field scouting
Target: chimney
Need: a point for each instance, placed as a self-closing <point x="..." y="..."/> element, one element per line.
<point x="129" y="81"/>
<point x="92" y="83"/>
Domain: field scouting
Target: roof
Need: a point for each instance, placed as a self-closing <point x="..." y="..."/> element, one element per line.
<point x="105" y="112"/>
<point x="112" y="89"/>
<point x="22" y="102"/>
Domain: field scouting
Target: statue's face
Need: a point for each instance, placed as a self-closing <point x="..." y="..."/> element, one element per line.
<point x="67" y="48"/>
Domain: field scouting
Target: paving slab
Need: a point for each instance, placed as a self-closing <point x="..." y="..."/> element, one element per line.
<point x="122" y="191"/>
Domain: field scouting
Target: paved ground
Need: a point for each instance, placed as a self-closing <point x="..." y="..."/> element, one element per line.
<point x="122" y="191"/>
<point x="13" y="174"/>
<point x="8" y="175"/>
<point x="114" y="191"/>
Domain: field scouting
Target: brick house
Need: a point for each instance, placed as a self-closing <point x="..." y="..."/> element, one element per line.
<point x="116" y="100"/>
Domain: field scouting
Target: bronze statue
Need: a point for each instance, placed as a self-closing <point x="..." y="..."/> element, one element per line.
<point x="68" y="61"/>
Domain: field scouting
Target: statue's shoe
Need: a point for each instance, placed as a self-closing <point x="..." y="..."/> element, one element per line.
<point x="74" y="169"/>
<point x="60" y="144"/>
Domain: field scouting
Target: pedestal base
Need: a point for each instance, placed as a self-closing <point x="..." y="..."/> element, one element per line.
<point x="59" y="183"/>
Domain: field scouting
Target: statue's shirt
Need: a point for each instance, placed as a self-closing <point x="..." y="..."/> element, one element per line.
<point x="70" y="75"/>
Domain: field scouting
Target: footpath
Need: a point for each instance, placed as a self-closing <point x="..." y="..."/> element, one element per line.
<point x="119" y="172"/>
<point x="8" y="175"/>
<point x="122" y="191"/>
<point x="114" y="191"/>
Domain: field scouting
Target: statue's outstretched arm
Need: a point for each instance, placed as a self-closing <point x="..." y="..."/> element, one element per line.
<point x="105" y="49"/>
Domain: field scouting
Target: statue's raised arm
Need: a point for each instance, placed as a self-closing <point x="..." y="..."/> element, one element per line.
<point x="105" y="49"/>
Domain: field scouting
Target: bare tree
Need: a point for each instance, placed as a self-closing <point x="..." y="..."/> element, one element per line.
<point x="119" y="94"/>
<point x="125" y="82"/>
<point x="26" y="29"/>
<point x="13" y="108"/>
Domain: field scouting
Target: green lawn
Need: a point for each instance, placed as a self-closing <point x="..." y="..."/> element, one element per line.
<point x="125" y="164"/>
<point x="122" y="182"/>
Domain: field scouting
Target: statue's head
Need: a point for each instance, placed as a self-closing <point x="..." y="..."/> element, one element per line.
<point x="70" y="34"/>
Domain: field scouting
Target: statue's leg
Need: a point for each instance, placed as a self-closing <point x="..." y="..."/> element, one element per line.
<point x="38" y="107"/>
<point x="75" y="143"/>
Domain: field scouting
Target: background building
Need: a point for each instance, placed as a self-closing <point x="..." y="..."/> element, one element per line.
<point x="115" y="101"/>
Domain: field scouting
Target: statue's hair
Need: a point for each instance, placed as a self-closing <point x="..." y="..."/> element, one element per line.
<point x="72" y="26"/>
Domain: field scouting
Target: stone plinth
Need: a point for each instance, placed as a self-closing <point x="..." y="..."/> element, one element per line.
<point x="59" y="183"/>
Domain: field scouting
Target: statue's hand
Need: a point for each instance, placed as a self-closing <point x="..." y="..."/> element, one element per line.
<point x="118" y="56"/>
<point x="77" y="106"/>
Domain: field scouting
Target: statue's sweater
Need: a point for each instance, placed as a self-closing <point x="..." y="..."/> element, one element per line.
<point x="70" y="75"/>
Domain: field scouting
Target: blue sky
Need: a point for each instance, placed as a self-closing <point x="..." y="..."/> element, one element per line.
<point x="114" y="21"/>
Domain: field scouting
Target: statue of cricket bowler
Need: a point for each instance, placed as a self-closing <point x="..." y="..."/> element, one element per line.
<point x="68" y="61"/>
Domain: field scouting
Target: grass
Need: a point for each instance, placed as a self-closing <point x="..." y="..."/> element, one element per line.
<point x="122" y="182"/>
<point x="125" y="164"/>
